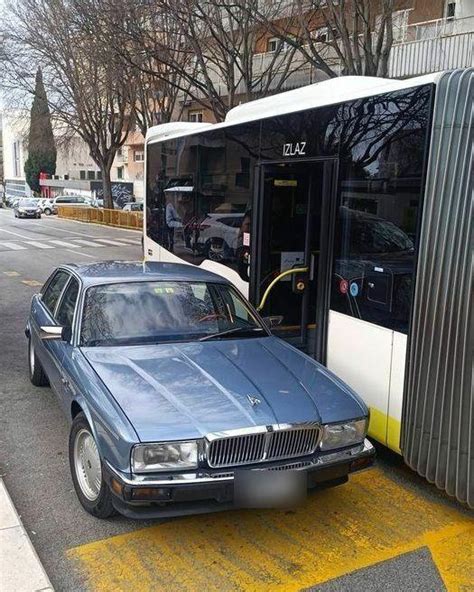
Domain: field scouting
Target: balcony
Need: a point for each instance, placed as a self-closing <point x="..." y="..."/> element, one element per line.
<point x="443" y="44"/>
<point x="420" y="48"/>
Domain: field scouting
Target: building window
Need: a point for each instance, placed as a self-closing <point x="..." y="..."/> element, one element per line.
<point x="195" y="116"/>
<point x="17" y="158"/>
<point x="82" y="175"/>
<point x="320" y="35"/>
<point x="120" y="172"/>
<point x="450" y="9"/>
<point x="139" y="155"/>
<point x="91" y="175"/>
<point x="325" y="34"/>
<point x="273" y="44"/>
<point x="99" y="176"/>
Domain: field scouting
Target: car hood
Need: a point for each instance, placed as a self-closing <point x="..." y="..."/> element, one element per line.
<point x="187" y="390"/>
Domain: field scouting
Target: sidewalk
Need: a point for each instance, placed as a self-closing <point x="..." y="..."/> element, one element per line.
<point x="20" y="567"/>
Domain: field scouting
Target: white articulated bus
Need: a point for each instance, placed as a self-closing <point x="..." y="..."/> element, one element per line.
<point x="344" y="207"/>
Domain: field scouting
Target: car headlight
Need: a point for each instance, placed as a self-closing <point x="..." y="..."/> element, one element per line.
<point x="21" y="210"/>
<point x="166" y="456"/>
<point x="339" y="435"/>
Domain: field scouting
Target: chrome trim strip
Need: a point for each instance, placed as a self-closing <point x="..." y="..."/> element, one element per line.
<point x="203" y="477"/>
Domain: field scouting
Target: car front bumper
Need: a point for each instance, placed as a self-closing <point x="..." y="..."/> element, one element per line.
<point x="178" y="494"/>
<point x="28" y="214"/>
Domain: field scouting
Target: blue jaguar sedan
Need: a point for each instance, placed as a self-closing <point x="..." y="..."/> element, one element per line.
<point x="180" y="400"/>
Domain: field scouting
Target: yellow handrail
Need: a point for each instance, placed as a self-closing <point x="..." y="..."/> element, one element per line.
<point x="277" y="279"/>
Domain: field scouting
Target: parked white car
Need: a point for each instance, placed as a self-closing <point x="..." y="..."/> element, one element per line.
<point x="47" y="206"/>
<point x="76" y="201"/>
<point x="218" y="235"/>
<point x="133" y="207"/>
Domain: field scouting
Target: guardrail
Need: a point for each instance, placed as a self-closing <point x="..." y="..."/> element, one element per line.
<point x="101" y="216"/>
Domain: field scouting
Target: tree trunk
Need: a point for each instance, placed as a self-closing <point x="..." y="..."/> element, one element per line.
<point x="107" y="188"/>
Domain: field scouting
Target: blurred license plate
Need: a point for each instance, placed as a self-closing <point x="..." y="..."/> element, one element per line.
<point x="269" y="489"/>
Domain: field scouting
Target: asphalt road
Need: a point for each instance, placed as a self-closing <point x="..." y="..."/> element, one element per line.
<point x="385" y="530"/>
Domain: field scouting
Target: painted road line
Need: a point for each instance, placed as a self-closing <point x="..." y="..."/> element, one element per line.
<point x="116" y="243"/>
<point x="11" y="273"/>
<point x="339" y="530"/>
<point x="66" y="231"/>
<point x="133" y="241"/>
<point x="39" y="245"/>
<point x="31" y="283"/>
<point x="15" y="233"/>
<point x="65" y="244"/>
<point x="87" y="243"/>
<point x="81" y="253"/>
<point x="13" y="246"/>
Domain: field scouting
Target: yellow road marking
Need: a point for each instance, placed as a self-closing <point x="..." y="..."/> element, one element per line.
<point x="11" y="273"/>
<point x="31" y="283"/>
<point x="336" y="532"/>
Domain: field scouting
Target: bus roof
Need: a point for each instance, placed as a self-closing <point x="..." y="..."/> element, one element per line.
<point x="319" y="94"/>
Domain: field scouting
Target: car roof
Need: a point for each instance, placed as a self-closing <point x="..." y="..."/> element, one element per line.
<point x="105" y="272"/>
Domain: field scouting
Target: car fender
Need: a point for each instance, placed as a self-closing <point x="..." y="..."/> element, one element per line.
<point x="112" y="430"/>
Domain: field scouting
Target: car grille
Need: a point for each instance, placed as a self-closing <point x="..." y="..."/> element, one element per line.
<point x="262" y="447"/>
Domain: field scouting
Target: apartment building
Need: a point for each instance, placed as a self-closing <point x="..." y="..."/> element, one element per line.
<point x="13" y="134"/>
<point x="429" y="36"/>
<point x="1" y="152"/>
<point x="76" y="172"/>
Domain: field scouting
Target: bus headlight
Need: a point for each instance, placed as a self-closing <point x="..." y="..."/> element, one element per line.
<point x="165" y="456"/>
<point x="339" y="435"/>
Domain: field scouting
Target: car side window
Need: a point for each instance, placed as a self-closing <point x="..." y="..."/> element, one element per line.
<point x="67" y="305"/>
<point x="53" y="291"/>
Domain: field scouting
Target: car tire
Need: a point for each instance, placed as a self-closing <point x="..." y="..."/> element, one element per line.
<point x="47" y="211"/>
<point x="37" y="374"/>
<point x="86" y="470"/>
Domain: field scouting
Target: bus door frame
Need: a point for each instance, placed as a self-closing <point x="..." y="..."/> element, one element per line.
<point x="324" y="272"/>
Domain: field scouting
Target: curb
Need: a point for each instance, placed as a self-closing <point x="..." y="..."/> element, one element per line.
<point x="20" y="566"/>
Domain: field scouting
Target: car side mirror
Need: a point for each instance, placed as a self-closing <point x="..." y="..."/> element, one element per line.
<point x="273" y="321"/>
<point x="55" y="332"/>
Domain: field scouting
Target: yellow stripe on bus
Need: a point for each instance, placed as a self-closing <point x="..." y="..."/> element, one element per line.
<point x="385" y="429"/>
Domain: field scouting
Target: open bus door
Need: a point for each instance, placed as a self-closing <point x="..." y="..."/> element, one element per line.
<point x="292" y="250"/>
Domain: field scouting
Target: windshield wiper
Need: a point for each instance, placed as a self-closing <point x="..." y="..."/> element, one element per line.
<point x="230" y="332"/>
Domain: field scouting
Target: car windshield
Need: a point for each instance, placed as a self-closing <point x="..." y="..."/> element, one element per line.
<point x="138" y="313"/>
<point x="27" y="203"/>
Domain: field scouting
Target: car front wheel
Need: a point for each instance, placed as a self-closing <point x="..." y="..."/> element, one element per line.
<point x="86" y="470"/>
<point x="37" y="374"/>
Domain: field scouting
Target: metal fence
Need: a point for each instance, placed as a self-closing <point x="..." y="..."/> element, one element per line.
<point x="431" y="55"/>
<point x="102" y="216"/>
